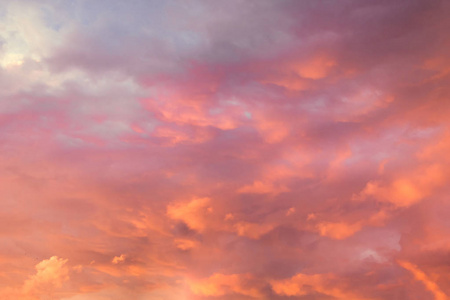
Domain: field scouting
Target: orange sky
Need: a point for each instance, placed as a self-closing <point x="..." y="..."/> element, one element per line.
<point x="226" y="150"/>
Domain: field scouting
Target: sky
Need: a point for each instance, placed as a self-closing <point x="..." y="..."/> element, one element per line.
<point x="224" y="150"/>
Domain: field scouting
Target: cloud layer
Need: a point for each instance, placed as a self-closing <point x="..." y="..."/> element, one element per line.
<point x="224" y="150"/>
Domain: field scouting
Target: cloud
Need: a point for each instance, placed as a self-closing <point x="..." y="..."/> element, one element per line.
<point x="51" y="273"/>
<point x="252" y="230"/>
<point x="222" y="284"/>
<point x="405" y="191"/>
<point x="260" y="188"/>
<point x="50" y="276"/>
<point x="303" y="284"/>
<point x="337" y="230"/>
<point x="421" y="276"/>
<point x="213" y="150"/>
<point x="119" y="259"/>
<point x="193" y="213"/>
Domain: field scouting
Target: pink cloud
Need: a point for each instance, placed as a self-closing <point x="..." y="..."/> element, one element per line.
<point x="241" y="149"/>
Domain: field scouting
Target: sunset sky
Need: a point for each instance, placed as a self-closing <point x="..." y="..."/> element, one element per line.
<point x="224" y="150"/>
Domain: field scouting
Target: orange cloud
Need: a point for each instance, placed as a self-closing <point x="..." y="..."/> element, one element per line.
<point x="188" y="110"/>
<point x="184" y="244"/>
<point x="193" y="213"/>
<point x="49" y="278"/>
<point x="51" y="273"/>
<point x="222" y="284"/>
<point x="252" y="230"/>
<point x="272" y="130"/>
<point x="119" y="259"/>
<point x="338" y="230"/>
<point x="290" y="211"/>
<point x="406" y="190"/>
<point x="422" y="277"/>
<point x="259" y="187"/>
<point x="305" y="284"/>
<point x="315" y="68"/>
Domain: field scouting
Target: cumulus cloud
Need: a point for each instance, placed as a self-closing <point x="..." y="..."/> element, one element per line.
<point x="50" y="274"/>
